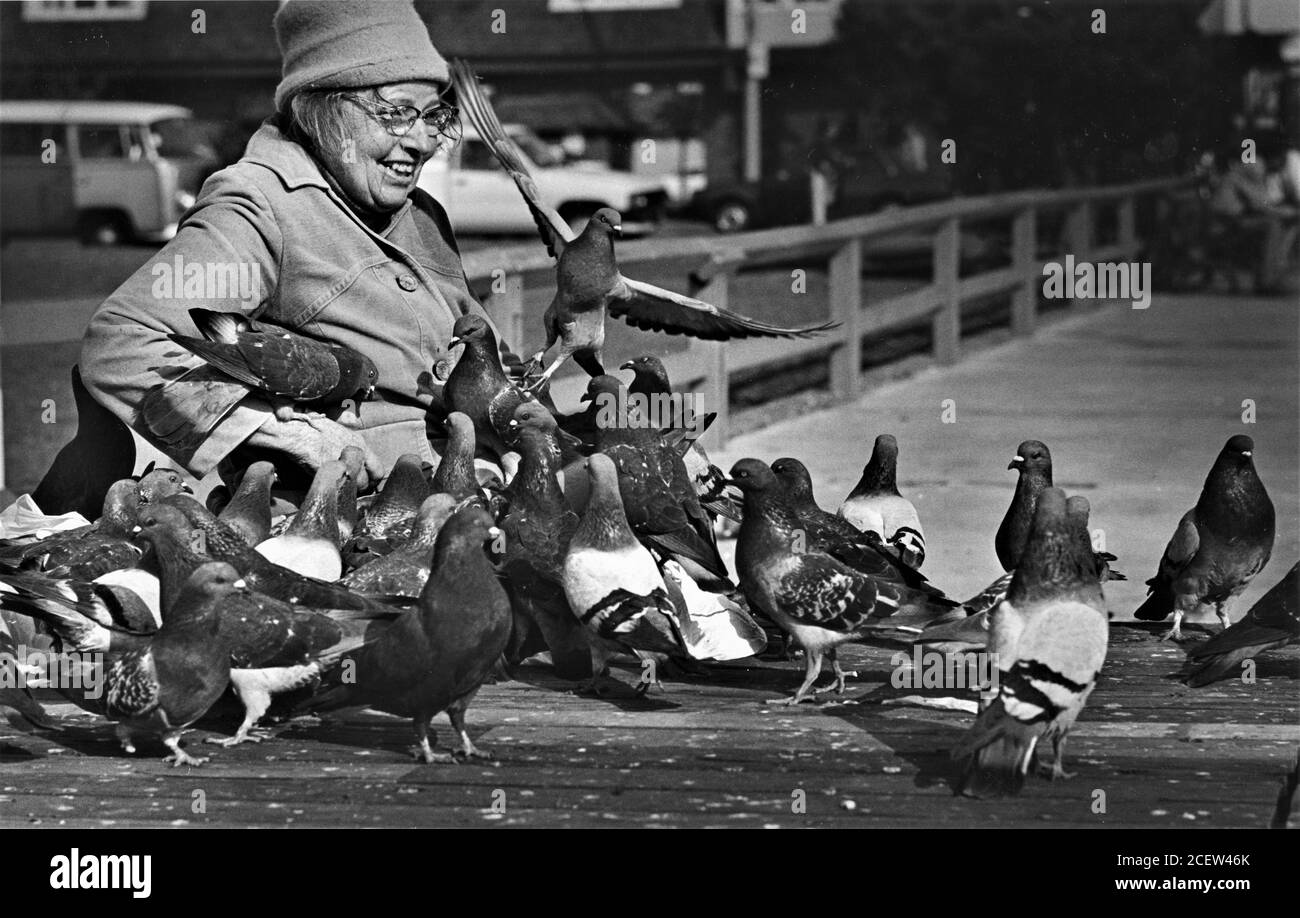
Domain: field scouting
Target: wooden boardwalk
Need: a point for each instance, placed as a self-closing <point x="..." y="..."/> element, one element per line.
<point x="1134" y="405"/>
<point x="710" y="751"/>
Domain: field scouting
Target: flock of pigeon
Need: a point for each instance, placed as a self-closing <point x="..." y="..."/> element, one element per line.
<point x="595" y="537"/>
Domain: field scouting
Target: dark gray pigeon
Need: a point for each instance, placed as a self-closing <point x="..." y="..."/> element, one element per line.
<point x="1034" y="463"/>
<point x="588" y="281"/>
<point x="1049" y="639"/>
<point x="1220" y="544"/>
<point x="1273" y="622"/>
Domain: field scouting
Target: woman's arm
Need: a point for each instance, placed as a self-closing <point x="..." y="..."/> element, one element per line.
<point x="225" y="257"/>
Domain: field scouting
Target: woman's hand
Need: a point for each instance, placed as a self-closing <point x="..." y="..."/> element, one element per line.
<point x="314" y="440"/>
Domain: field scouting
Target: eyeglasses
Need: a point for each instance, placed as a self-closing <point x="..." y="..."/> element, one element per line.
<point x="441" y="120"/>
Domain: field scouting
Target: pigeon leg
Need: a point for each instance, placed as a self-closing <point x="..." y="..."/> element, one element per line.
<point x="423" y="748"/>
<point x="456" y="713"/>
<point x="1056" y="771"/>
<point x="840" y="674"/>
<point x="812" y="671"/>
<point x="179" y="756"/>
<point x="1176" y="632"/>
<point x="124" y="737"/>
<point x="537" y="384"/>
<point x="256" y="700"/>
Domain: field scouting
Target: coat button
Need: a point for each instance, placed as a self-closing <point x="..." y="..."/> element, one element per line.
<point x="407" y="282"/>
<point x="442" y="368"/>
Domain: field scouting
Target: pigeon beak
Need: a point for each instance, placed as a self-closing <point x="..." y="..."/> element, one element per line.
<point x="455" y="341"/>
<point x="584" y="397"/>
<point x="627" y="366"/>
<point x="136" y="530"/>
<point x="618" y="229"/>
<point x="1019" y="460"/>
<point x="240" y="584"/>
<point x="494" y="532"/>
<point x="513" y="424"/>
<point x="186" y="488"/>
<point x="1247" y="453"/>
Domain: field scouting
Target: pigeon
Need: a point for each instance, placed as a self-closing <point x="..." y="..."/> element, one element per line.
<point x="183" y="534"/>
<point x="89" y="551"/>
<point x="436" y="656"/>
<point x="837" y="537"/>
<point x="160" y="684"/>
<point x="290" y="368"/>
<point x="1049" y="639"/>
<point x="657" y="493"/>
<point x="354" y="460"/>
<point x="588" y="281"/>
<point x="538" y="527"/>
<point x="818" y="600"/>
<point x="478" y="385"/>
<point x="101" y="452"/>
<point x="392" y="512"/>
<point x="1033" y="461"/>
<point x="1273" y="622"/>
<point x="310" y="544"/>
<point x="874" y="505"/>
<point x="157" y="484"/>
<point x="613" y="584"/>
<point x="1220" y="544"/>
<point x="249" y="509"/>
<point x="404" y="571"/>
<point x="455" y="474"/>
<point x="651" y="382"/>
<point x="984" y="602"/>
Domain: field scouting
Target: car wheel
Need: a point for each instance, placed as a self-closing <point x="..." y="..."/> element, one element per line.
<point x="732" y="217"/>
<point x="102" y="229"/>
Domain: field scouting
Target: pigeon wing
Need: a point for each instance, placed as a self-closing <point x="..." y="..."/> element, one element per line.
<point x="652" y="308"/>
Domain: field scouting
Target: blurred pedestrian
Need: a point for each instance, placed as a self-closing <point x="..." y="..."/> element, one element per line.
<point x="1254" y="204"/>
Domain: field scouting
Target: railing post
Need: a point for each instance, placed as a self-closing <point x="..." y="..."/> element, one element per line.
<point x="710" y="359"/>
<point x="505" y="304"/>
<point x="1127" y="219"/>
<point x="1024" y="258"/>
<point x="946" y="324"/>
<point x="1078" y="232"/>
<point x="846" y="306"/>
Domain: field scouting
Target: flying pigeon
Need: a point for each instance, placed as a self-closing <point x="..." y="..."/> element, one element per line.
<point x="436" y="656"/>
<point x="291" y="368"/>
<point x="657" y="493"/>
<point x="1033" y="461"/>
<point x="1220" y="544"/>
<point x="588" y="281"/>
<point x="160" y="684"/>
<point x="874" y="505"/>
<point x="1273" y="622"/>
<point x="249" y="509"/>
<point x="818" y="600"/>
<point x="538" y="526"/>
<point x="310" y="544"/>
<point x="1049" y="639"/>
<point x="613" y="584"/>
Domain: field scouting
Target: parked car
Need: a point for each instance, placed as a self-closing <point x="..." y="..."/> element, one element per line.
<point x="111" y="171"/>
<point x="873" y="182"/>
<point x="481" y="198"/>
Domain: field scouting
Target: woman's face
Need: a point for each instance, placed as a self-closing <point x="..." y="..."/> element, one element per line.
<point x="376" y="169"/>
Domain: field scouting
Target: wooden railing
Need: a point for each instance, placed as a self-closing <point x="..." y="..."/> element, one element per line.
<point x="499" y="275"/>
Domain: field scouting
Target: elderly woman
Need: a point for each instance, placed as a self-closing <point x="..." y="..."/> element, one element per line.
<point x="323" y="216"/>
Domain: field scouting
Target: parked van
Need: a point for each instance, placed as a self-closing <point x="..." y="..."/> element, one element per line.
<point x="480" y="197"/>
<point x="110" y="171"/>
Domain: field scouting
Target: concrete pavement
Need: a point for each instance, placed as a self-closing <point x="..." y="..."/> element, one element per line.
<point x="1134" y="405"/>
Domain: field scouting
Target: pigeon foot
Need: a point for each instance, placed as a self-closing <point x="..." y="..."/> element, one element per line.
<point x="179" y="756"/>
<point x="243" y="736"/>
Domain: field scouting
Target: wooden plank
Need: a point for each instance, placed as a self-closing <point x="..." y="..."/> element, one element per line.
<point x="946" y="323"/>
<point x="846" y="308"/>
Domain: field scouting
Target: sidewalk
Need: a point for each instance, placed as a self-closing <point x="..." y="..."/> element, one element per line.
<point x="1134" y="405"/>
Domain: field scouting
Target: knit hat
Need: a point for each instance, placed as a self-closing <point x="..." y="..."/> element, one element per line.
<point x="348" y="44"/>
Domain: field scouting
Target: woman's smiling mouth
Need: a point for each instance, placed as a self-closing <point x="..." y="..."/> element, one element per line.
<point x="400" y="171"/>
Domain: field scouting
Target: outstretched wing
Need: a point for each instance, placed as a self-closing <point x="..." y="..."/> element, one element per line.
<point x="554" y="230"/>
<point x="646" y="306"/>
